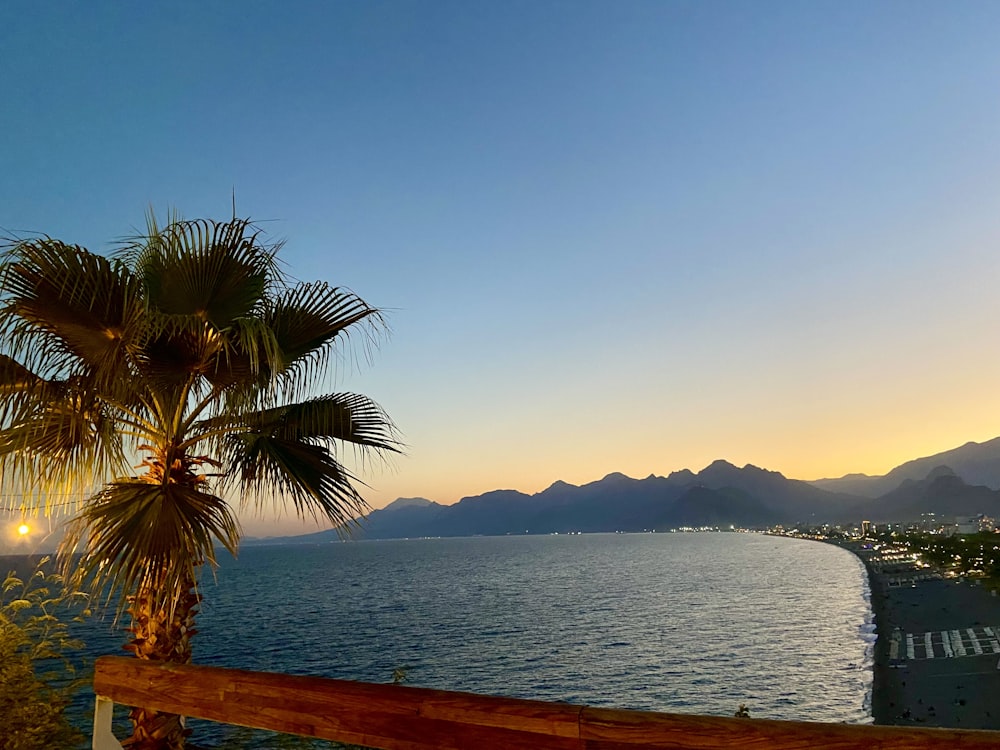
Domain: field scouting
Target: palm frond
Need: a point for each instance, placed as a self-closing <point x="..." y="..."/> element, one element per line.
<point x="245" y="361"/>
<point x="15" y="377"/>
<point x="137" y="535"/>
<point x="61" y="437"/>
<point x="177" y="349"/>
<point x="289" y="452"/>
<point x="287" y="349"/>
<point x="218" y="271"/>
<point x="282" y="472"/>
<point x="19" y="388"/>
<point x="66" y="311"/>
<point x="310" y="315"/>
<point x="346" y="417"/>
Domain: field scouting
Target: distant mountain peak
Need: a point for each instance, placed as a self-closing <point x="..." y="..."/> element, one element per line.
<point x="721" y="463"/>
<point x="719" y="470"/>
<point x="753" y="468"/>
<point x="684" y="475"/>
<point x="559" y="485"/>
<point x="617" y="476"/>
<point x="409" y="502"/>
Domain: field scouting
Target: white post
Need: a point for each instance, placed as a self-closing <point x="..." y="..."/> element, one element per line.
<point x="104" y="738"/>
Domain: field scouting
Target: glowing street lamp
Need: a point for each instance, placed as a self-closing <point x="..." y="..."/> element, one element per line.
<point x="23" y="529"/>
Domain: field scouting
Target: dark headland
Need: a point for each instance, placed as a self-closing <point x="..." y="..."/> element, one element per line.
<point x="956" y="681"/>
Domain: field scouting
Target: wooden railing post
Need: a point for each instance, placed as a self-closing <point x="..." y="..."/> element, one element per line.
<point x="104" y="737"/>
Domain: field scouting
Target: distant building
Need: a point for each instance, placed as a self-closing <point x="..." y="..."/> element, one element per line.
<point x="972" y="525"/>
<point x="866" y="529"/>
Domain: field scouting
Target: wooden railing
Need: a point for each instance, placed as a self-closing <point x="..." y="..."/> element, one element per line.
<point x="405" y="718"/>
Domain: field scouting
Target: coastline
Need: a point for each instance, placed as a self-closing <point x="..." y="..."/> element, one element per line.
<point x="942" y="686"/>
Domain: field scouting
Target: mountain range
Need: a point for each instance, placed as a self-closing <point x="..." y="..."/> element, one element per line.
<point x="975" y="463"/>
<point x="956" y="483"/>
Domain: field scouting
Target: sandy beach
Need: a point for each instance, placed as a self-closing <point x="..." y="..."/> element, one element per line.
<point x="937" y="653"/>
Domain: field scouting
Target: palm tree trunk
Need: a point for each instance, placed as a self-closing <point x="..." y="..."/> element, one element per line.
<point x="160" y="636"/>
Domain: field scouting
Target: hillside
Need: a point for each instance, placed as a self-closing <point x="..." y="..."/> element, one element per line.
<point x="721" y="494"/>
<point x="941" y="492"/>
<point x="975" y="463"/>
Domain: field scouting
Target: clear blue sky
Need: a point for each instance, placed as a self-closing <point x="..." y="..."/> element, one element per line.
<point x="612" y="236"/>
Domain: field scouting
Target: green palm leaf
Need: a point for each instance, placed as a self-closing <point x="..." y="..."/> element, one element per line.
<point x="18" y="387"/>
<point x="307" y="476"/>
<point x="290" y="344"/>
<point x="349" y="417"/>
<point x="217" y="271"/>
<point x="58" y="436"/>
<point x="15" y="377"/>
<point x="138" y="535"/>
<point x="67" y="311"/>
<point x="309" y="316"/>
<point x="292" y="449"/>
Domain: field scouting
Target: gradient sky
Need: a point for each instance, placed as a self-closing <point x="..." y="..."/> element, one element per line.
<point x="612" y="236"/>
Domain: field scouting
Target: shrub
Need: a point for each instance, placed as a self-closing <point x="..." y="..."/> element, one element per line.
<point x="37" y="675"/>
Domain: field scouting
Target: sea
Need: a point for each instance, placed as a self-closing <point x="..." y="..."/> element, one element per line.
<point x="679" y="622"/>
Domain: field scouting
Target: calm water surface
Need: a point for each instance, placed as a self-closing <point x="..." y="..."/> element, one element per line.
<point x="694" y="623"/>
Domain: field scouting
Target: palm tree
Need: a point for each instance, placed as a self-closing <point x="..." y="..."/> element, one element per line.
<point x="159" y="385"/>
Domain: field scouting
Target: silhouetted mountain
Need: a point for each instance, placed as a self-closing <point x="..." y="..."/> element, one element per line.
<point x="975" y="463"/>
<point x="863" y="485"/>
<point x="684" y="476"/>
<point x="942" y="492"/>
<point x="614" y="503"/>
<point x="791" y="499"/>
<point x="701" y="506"/>
<point x="409" y="502"/>
<point x="492" y="514"/>
<point x="405" y="517"/>
<point x="719" y="495"/>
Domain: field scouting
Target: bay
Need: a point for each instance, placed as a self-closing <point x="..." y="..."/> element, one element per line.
<point x="685" y="622"/>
